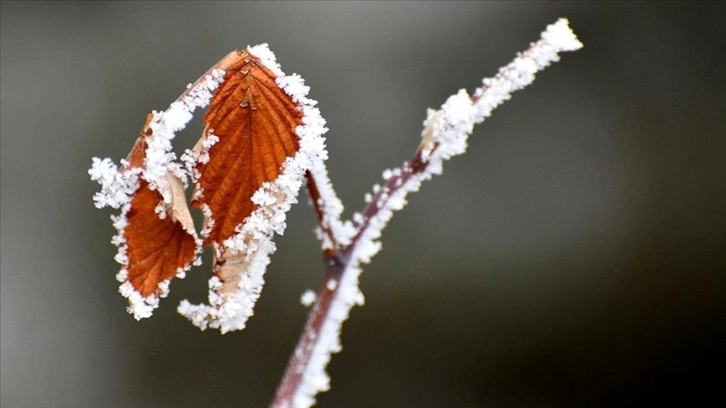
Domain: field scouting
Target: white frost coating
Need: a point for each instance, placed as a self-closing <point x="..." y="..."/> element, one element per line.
<point x="119" y="185"/>
<point x="558" y="37"/>
<point x="561" y="36"/>
<point x="159" y="158"/>
<point x="308" y="298"/>
<point x="358" y="217"/>
<point x="140" y="307"/>
<point x="207" y="144"/>
<point x="445" y="135"/>
<point x="143" y="307"/>
<point x="120" y="222"/>
<point x="251" y="246"/>
<point x="209" y="221"/>
<point x="331" y="209"/>
<point x="263" y="52"/>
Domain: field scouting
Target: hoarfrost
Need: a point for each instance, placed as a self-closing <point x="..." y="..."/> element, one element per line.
<point x="308" y="298"/>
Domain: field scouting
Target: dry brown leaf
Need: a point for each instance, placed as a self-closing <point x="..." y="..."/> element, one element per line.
<point x="255" y="122"/>
<point x="156" y="248"/>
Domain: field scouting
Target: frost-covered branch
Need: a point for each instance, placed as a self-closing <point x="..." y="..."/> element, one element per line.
<point x="332" y="232"/>
<point x="445" y="135"/>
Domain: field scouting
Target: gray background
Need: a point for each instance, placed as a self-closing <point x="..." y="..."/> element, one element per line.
<point x="573" y="257"/>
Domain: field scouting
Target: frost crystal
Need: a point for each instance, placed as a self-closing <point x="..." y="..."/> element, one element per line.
<point x="263" y="52"/>
<point x="331" y="209"/>
<point x="308" y="298"/>
<point x="117" y="187"/>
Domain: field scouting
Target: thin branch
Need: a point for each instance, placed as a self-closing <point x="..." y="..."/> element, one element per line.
<point x="319" y="314"/>
<point x="444" y="136"/>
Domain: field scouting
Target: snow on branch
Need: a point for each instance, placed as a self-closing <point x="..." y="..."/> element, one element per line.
<point x="445" y="135"/>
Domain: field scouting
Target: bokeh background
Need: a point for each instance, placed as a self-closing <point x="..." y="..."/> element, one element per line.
<point x="575" y="256"/>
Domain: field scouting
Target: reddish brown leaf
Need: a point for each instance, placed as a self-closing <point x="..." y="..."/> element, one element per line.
<point x="255" y="122"/>
<point x="136" y="156"/>
<point x="156" y="248"/>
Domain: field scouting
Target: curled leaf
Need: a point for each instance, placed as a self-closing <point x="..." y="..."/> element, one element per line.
<point x="157" y="240"/>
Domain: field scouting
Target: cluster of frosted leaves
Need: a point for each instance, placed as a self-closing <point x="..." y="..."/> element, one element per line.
<point x="261" y="135"/>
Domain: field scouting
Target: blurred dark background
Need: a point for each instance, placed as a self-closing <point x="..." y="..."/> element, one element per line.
<point x="575" y="256"/>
